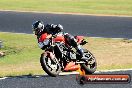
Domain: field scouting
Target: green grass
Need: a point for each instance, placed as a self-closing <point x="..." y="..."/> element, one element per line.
<point x="22" y="54"/>
<point x="107" y="7"/>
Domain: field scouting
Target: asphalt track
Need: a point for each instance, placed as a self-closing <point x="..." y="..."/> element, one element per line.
<point x="93" y="26"/>
<point x="67" y="81"/>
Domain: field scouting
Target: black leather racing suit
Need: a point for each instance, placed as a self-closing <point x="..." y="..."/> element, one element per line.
<point x="52" y="29"/>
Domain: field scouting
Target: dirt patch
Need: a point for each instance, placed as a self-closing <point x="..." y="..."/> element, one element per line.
<point x="111" y="54"/>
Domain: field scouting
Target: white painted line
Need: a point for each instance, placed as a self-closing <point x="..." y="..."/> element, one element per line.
<point x="37" y="76"/>
<point x="3" y="78"/>
<point x="69" y="73"/>
<point x="86" y="36"/>
<point x="114" y="70"/>
<point x="110" y="38"/>
<point x="75" y="73"/>
<point x="17" y="33"/>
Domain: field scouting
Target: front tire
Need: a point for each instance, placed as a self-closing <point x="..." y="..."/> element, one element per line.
<point x="52" y="69"/>
<point x="91" y="65"/>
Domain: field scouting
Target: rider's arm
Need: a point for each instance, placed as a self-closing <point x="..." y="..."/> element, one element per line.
<point x="42" y="37"/>
<point x="44" y="40"/>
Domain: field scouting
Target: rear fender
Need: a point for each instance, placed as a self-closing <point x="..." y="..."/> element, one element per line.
<point x="79" y="38"/>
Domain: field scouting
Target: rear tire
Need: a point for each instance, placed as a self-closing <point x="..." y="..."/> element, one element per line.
<point x="91" y="65"/>
<point x="46" y="67"/>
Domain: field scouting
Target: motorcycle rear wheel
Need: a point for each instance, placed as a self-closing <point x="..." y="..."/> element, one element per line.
<point x="50" y="69"/>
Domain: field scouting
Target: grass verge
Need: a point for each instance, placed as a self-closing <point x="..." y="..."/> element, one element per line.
<point x="22" y="54"/>
<point x="109" y="7"/>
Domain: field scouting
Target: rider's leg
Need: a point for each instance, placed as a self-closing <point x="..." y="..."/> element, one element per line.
<point x="79" y="50"/>
<point x="73" y="42"/>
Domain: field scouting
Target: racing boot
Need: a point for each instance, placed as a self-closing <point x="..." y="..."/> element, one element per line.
<point x="81" y="55"/>
<point x="80" y="52"/>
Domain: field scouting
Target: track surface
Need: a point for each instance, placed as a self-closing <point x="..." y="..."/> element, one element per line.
<point x="93" y="26"/>
<point x="68" y="81"/>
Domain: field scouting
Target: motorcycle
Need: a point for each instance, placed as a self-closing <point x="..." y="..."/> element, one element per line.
<point x="61" y="57"/>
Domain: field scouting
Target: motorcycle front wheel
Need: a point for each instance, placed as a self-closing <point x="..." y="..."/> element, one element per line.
<point x="52" y="68"/>
<point x="91" y="65"/>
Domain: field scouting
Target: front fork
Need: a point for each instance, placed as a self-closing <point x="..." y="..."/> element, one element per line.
<point x="50" y="53"/>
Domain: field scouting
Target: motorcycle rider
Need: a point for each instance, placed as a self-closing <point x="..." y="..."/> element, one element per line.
<point x="44" y="32"/>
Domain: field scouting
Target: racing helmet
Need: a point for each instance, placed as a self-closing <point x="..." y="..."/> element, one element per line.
<point x="38" y="27"/>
